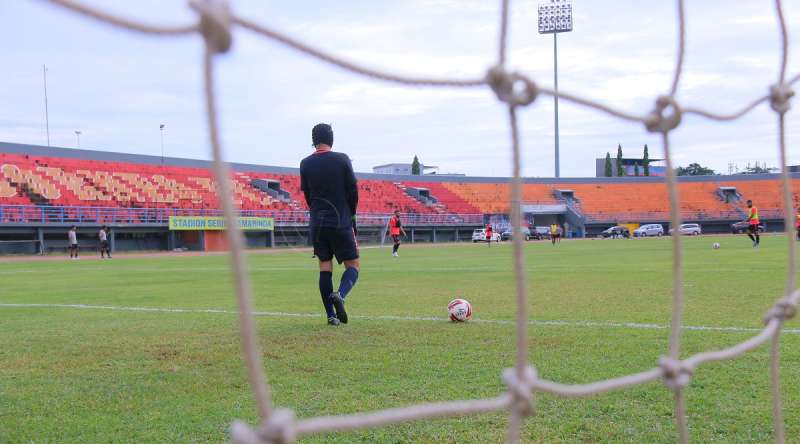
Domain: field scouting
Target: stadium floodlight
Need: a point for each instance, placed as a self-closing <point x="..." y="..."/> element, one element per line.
<point x="555" y="17"/>
<point x="78" y="135"/>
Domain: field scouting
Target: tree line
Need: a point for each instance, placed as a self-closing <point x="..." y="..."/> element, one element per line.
<point x="693" y="169"/>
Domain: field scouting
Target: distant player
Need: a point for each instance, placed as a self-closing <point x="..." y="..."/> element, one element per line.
<point x="102" y="236"/>
<point x="752" y="224"/>
<point x="395" y="230"/>
<point x="554" y="233"/>
<point x="72" y="235"/>
<point x="331" y="192"/>
<point x="797" y="223"/>
<point x="489" y="234"/>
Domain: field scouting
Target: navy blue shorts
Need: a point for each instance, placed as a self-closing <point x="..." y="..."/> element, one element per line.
<point x="330" y="242"/>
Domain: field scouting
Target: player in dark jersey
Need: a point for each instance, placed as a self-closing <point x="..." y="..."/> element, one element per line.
<point x="395" y="229"/>
<point x="331" y="192"/>
<point x="102" y="236"/>
<point x="753" y="222"/>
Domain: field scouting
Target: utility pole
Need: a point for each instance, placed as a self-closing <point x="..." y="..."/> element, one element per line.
<point x="46" y="113"/>
<point x="161" y="128"/>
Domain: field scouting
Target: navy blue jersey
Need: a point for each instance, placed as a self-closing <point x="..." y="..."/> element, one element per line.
<point x="330" y="189"/>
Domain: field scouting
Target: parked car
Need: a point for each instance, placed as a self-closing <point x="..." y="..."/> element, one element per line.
<point x="688" y="230"/>
<point x="616" y="232"/>
<point x="479" y="235"/>
<point x="649" y="230"/>
<point x="508" y="234"/>
<point x="741" y="227"/>
<point x="541" y="232"/>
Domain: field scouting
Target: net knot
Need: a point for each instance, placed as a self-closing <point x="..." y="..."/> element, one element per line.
<point x="215" y="23"/>
<point x="779" y="96"/>
<point x="783" y="310"/>
<point x="512" y="88"/>
<point x="658" y="122"/>
<point x="677" y="374"/>
<point x="521" y="389"/>
<point x="241" y="433"/>
<point x="279" y="429"/>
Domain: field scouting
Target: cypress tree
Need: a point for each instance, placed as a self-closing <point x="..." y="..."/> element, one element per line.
<point x="415" y="166"/>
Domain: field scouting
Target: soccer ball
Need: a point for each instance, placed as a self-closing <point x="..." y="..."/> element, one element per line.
<point x="716" y="245"/>
<point x="460" y="310"/>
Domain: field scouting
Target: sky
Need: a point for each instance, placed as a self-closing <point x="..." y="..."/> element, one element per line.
<point x="117" y="87"/>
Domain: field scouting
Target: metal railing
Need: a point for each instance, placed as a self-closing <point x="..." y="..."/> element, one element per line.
<point x="34" y="214"/>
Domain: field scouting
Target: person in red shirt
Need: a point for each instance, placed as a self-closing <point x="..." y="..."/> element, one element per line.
<point x="489" y="235"/>
<point x="395" y="229"/>
<point x="752" y="224"/>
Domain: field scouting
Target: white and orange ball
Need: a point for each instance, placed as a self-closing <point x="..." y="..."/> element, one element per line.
<point x="460" y="310"/>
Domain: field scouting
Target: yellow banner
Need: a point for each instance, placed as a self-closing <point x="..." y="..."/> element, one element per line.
<point x="204" y="223"/>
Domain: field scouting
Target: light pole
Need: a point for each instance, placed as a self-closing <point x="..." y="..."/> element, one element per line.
<point x="46" y="113"/>
<point x="161" y="128"/>
<point x="78" y="134"/>
<point x="555" y="17"/>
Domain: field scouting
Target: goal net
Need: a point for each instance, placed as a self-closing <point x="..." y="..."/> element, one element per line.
<point x="515" y="90"/>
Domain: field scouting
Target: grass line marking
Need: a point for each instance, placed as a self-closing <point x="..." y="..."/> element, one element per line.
<point x="556" y="323"/>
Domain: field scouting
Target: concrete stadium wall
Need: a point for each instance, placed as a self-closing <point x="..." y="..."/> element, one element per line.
<point x="52" y="238"/>
<point x="708" y="227"/>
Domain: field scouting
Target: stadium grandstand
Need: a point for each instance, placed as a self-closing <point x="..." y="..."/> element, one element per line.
<point x="45" y="190"/>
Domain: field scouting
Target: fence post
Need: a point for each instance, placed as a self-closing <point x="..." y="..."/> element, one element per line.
<point x="40" y="235"/>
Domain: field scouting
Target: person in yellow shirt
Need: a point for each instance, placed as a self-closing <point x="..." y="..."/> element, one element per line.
<point x="752" y="224"/>
<point x="554" y="233"/>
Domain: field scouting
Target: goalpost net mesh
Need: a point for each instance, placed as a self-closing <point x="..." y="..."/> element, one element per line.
<point x="215" y="24"/>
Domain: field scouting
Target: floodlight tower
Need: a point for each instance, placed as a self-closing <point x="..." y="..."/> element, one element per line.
<point x="555" y="17"/>
<point x="78" y="134"/>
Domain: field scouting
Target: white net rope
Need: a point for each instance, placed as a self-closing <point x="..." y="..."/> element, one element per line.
<point x="215" y="25"/>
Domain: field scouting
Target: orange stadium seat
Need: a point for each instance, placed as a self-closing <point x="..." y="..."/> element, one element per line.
<point x="56" y="181"/>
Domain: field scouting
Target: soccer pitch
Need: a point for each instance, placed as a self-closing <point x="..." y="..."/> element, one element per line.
<point x="90" y="365"/>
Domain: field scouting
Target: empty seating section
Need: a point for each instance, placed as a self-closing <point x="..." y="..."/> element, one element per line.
<point x="767" y="195"/>
<point x="623" y="201"/>
<point x="489" y="198"/>
<point x="71" y="182"/>
<point x="450" y="201"/>
<point x="493" y="198"/>
<point x="55" y="181"/>
<point x="35" y="180"/>
<point x="380" y="196"/>
<point x="701" y="200"/>
<point x="539" y="193"/>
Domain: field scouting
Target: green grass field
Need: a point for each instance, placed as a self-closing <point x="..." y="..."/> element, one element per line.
<point x="103" y="375"/>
